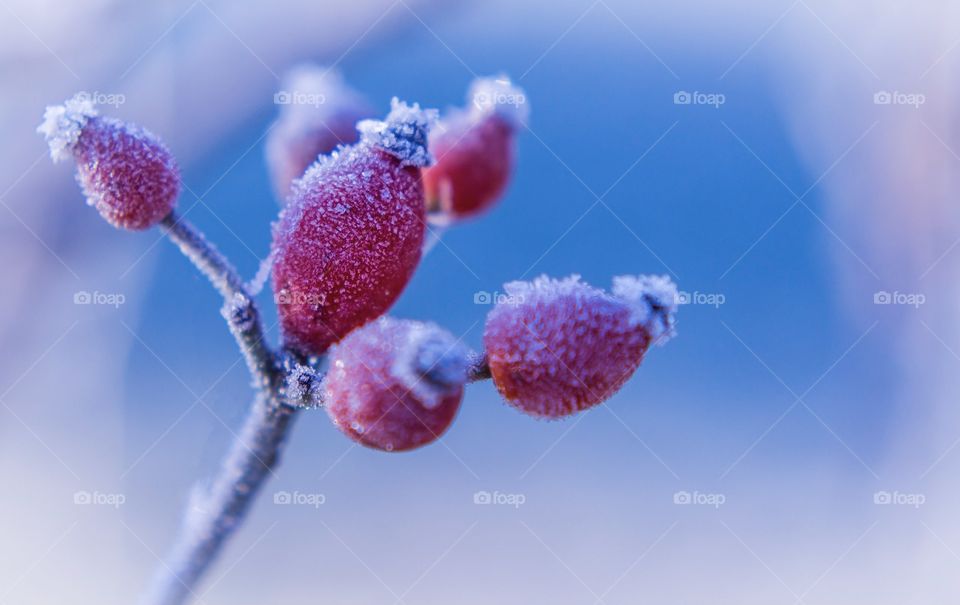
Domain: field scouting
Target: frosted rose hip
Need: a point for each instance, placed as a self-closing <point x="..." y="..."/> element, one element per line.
<point x="318" y="111"/>
<point x="395" y="385"/>
<point x="126" y="173"/>
<point x="556" y="347"/>
<point x="349" y="240"/>
<point x="474" y="150"/>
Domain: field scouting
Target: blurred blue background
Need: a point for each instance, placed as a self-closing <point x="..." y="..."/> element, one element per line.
<point x="794" y="444"/>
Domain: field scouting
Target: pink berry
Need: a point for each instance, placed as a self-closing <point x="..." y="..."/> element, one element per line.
<point x="474" y="150"/>
<point x="318" y="111"/>
<point x="350" y="238"/>
<point x="395" y="385"/>
<point x="556" y="347"/>
<point x="126" y="173"/>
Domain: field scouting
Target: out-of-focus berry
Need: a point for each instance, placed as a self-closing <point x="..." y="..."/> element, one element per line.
<point x="318" y="112"/>
<point x="349" y="240"/>
<point x="126" y="173"/>
<point x="556" y="347"/>
<point x="395" y="385"/>
<point x="474" y="150"/>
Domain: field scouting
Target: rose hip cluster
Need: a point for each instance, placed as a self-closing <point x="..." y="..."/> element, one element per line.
<point x="356" y="198"/>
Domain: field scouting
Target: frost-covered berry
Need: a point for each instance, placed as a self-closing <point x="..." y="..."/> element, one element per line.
<point x="350" y="238"/>
<point x="395" y="385"/>
<point x="126" y="173"/>
<point x="318" y="111"/>
<point x="474" y="150"/>
<point x="556" y="347"/>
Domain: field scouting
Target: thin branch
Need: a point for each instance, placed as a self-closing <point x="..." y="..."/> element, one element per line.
<point x="203" y="254"/>
<point x="216" y="512"/>
<point x="479" y="368"/>
<point x="239" y="308"/>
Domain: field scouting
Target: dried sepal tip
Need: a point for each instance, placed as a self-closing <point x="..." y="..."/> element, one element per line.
<point x="62" y="125"/>
<point x="403" y="133"/>
<point x="653" y="300"/>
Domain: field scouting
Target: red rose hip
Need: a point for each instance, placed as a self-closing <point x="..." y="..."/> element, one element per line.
<point x="474" y="151"/>
<point x="349" y="240"/>
<point x="318" y="112"/>
<point x="556" y="347"/>
<point x="126" y="173"/>
<point x="395" y="385"/>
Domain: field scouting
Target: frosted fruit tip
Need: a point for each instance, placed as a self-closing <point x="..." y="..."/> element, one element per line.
<point x="653" y="300"/>
<point x="403" y="133"/>
<point x="432" y="364"/>
<point x="62" y="124"/>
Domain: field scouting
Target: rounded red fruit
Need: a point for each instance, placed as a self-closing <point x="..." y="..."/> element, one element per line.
<point x="126" y="173"/>
<point x="556" y="347"/>
<point x="474" y="151"/>
<point x="351" y="236"/>
<point x="318" y="112"/>
<point x="395" y="385"/>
